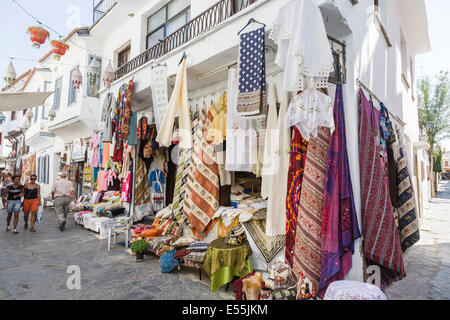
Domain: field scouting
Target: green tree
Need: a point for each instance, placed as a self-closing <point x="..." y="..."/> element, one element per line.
<point x="434" y="113"/>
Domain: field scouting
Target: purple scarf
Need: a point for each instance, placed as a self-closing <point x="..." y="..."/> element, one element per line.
<point x="339" y="222"/>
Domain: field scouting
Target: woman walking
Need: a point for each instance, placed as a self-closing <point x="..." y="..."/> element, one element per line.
<point x="14" y="194"/>
<point x="31" y="202"/>
<point x="6" y="182"/>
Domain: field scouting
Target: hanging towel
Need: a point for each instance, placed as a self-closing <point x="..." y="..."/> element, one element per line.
<point x="307" y="255"/>
<point x="382" y="245"/>
<point x="339" y="222"/>
<point x="304" y="52"/>
<point x="252" y="73"/>
<point x="178" y="103"/>
<point x="276" y="207"/>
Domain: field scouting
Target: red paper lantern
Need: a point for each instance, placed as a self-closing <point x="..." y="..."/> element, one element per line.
<point x="38" y="35"/>
<point x="59" y="48"/>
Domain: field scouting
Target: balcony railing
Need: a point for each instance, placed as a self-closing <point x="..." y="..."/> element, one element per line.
<point x="199" y="25"/>
<point x="100" y="8"/>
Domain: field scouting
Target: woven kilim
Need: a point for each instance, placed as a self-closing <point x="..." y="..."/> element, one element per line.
<point x="382" y="245"/>
<point x="307" y="255"/>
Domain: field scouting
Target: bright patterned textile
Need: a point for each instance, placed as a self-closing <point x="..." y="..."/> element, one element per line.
<point x="381" y="238"/>
<point x="179" y="205"/>
<point x="252" y="73"/>
<point x="296" y="166"/>
<point x="307" y="255"/>
<point x="142" y="192"/>
<point x="407" y="215"/>
<point x="125" y="128"/>
<point x="202" y="194"/>
<point x="339" y="222"/>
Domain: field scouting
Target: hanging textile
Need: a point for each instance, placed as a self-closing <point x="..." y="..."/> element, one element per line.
<point x="203" y="181"/>
<point x="276" y="207"/>
<point x="94" y="145"/>
<point x="109" y="105"/>
<point x="271" y="143"/>
<point x="309" y="111"/>
<point x="125" y="128"/>
<point x="381" y="238"/>
<point x="132" y="135"/>
<point x="339" y="222"/>
<point x="388" y="139"/>
<point x="142" y="192"/>
<point x="295" y="178"/>
<point x="158" y="76"/>
<point x="408" y="221"/>
<point x="252" y="73"/>
<point x="156" y="184"/>
<point x="308" y="239"/>
<point x="304" y="52"/>
<point x="180" y="207"/>
<point x="241" y="138"/>
<point x="178" y="103"/>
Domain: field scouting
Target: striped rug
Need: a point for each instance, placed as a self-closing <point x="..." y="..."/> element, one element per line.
<point x="382" y="245"/>
<point x="202" y="196"/>
<point x="307" y="255"/>
<point x="407" y="214"/>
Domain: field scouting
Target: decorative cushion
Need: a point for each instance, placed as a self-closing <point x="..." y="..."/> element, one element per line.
<point x="184" y="242"/>
<point x="353" y="290"/>
<point x="199" y="246"/>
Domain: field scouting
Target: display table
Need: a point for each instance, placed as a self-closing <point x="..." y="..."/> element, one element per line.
<point x="223" y="262"/>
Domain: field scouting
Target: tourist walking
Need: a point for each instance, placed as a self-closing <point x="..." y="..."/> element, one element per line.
<point x="6" y="181"/>
<point x="63" y="194"/>
<point x="14" y="194"/>
<point x="31" y="202"/>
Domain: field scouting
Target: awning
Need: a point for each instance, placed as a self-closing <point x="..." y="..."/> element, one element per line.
<point x="23" y="100"/>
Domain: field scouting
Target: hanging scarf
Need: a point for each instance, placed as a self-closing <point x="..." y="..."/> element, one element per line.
<point x="296" y="166"/>
<point x="381" y="238"/>
<point x="125" y="129"/>
<point x="252" y="73"/>
<point x="339" y="223"/>
<point x="307" y="255"/>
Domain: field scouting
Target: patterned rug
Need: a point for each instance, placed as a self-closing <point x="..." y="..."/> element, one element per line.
<point x="269" y="246"/>
<point x="142" y="194"/>
<point x="407" y="214"/>
<point x="202" y="194"/>
<point x="307" y="255"/>
<point x="382" y="245"/>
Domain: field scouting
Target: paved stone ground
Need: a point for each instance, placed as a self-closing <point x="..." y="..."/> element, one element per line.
<point x="428" y="262"/>
<point x="34" y="265"/>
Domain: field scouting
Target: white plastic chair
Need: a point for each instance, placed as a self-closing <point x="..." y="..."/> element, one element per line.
<point x="120" y="226"/>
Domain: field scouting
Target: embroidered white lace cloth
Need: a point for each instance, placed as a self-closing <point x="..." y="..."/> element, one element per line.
<point x="303" y="48"/>
<point x="309" y="111"/>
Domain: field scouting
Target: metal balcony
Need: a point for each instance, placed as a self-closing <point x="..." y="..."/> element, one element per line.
<point x="210" y="18"/>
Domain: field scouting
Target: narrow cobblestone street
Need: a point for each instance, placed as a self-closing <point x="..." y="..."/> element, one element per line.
<point x="33" y="266"/>
<point x="428" y="262"/>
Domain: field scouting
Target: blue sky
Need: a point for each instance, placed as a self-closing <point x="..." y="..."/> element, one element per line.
<point x="58" y="14"/>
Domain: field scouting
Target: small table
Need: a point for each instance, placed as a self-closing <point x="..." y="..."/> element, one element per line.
<point x="223" y="262"/>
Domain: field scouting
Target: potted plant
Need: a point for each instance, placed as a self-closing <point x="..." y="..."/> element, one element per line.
<point x="139" y="247"/>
